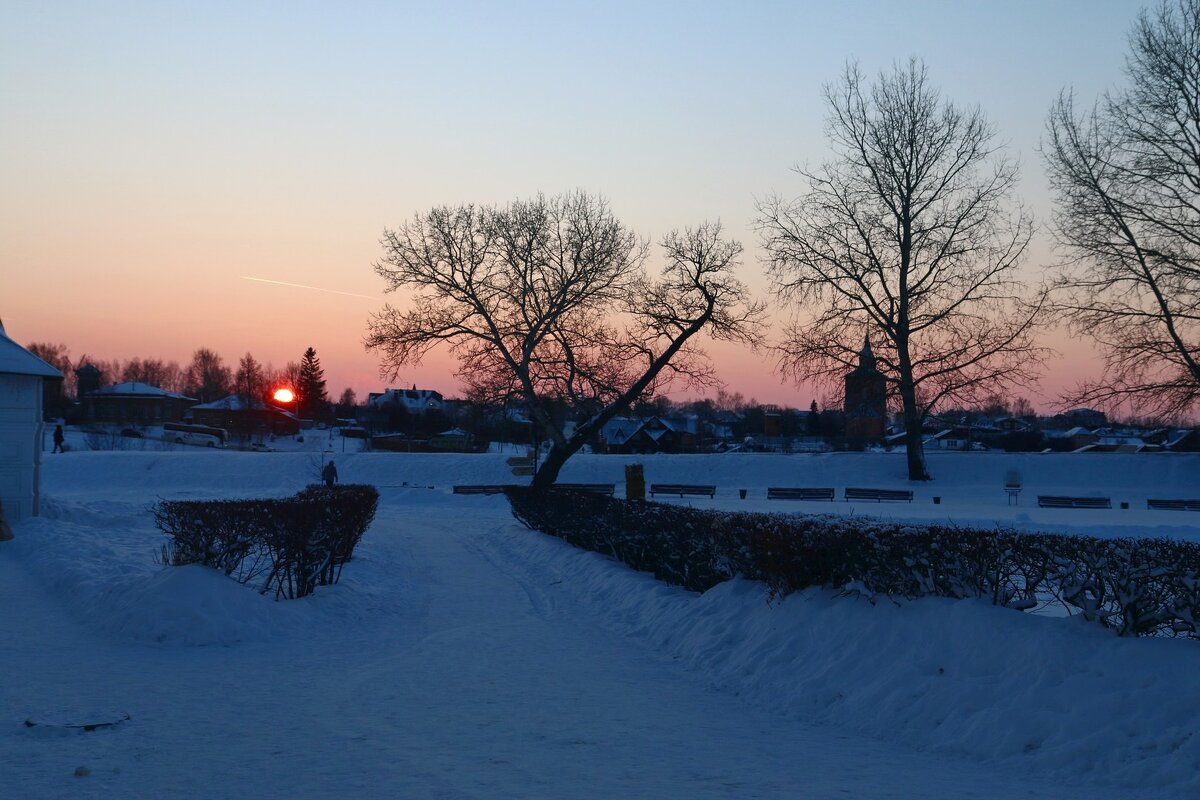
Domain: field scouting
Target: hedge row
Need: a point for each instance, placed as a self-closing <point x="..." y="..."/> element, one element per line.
<point x="288" y="546"/>
<point x="1137" y="587"/>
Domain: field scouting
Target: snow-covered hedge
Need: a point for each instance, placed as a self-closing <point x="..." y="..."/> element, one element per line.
<point x="288" y="546"/>
<point x="1137" y="587"/>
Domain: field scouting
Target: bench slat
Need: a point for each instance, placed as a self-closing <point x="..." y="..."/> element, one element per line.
<point x="498" y="488"/>
<point x="799" y="493"/>
<point x="1174" y="505"/>
<point x="681" y="489"/>
<point x="877" y="495"/>
<point x="1057" y="501"/>
<point x="593" y="488"/>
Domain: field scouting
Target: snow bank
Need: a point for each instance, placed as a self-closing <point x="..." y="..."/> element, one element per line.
<point x="1050" y="695"/>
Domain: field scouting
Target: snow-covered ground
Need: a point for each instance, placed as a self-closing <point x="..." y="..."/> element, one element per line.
<point x="465" y="656"/>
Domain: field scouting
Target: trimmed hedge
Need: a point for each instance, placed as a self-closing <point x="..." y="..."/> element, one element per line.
<point x="288" y="546"/>
<point x="1136" y="587"/>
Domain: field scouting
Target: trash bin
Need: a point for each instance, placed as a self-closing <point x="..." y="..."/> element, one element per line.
<point x="742" y="493"/>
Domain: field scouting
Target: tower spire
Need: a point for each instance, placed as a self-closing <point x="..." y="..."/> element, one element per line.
<point x="866" y="358"/>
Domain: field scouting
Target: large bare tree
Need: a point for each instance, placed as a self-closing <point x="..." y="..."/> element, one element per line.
<point x="909" y="236"/>
<point x="207" y="378"/>
<point x="1126" y="175"/>
<point x="548" y="301"/>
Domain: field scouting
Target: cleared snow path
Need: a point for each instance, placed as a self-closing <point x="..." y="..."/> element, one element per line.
<point x="444" y="666"/>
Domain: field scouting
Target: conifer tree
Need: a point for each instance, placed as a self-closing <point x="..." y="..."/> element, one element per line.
<point x="313" y="399"/>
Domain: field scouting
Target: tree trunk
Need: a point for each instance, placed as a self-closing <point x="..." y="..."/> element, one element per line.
<point x="548" y="471"/>
<point x="913" y="439"/>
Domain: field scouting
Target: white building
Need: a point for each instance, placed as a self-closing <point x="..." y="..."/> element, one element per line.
<point x="414" y="400"/>
<point x="21" y="426"/>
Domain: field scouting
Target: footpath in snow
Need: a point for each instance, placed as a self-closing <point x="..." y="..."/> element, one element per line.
<point x="465" y="656"/>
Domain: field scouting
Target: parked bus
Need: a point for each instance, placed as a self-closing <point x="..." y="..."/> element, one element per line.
<point x="183" y="433"/>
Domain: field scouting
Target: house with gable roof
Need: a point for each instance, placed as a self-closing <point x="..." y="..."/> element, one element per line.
<point x="133" y="403"/>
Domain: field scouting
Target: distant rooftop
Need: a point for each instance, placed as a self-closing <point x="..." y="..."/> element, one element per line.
<point x="136" y="389"/>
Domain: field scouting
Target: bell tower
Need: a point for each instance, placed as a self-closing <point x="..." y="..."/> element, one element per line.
<point x="865" y="403"/>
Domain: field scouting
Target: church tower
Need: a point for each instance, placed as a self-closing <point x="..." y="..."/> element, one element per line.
<point x="865" y="402"/>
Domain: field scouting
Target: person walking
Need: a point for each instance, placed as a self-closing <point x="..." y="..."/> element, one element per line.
<point x="58" y="440"/>
<point x="329" y="474"/>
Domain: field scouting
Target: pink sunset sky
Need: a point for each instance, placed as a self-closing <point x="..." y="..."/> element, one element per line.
<point x="166" y="170"/>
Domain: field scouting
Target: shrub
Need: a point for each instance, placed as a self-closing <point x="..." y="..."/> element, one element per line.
<point x="1137" y="587"/>
<point x="288" y="546"/>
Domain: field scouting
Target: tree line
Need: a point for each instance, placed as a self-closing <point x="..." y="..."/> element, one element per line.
<point x="909" y="234"/>
<point x="205" y="378"/>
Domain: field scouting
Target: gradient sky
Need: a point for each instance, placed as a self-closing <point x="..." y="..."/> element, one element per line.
<point x="153" y="154"/>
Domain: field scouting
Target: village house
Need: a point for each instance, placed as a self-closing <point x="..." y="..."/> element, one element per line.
<point x="246" y="417"/>
<point x="132" y="403"/>
<point x="414" y="400"/>
<point x="651" y="435"/>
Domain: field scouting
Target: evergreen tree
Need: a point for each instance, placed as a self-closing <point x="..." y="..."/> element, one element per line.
<point x="313" y="399"/>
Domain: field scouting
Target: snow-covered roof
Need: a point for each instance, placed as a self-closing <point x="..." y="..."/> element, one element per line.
<point x="236" y="402"/>
<point x="1177" y="436"/>
<point x="136" y="389"/>
<point x="16" y="360"/>
<point x="412" y="398"/>
<point x="618" y="429"/>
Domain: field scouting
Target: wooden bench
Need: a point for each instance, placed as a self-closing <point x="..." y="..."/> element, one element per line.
<point x="1053" y="501"/>
<point x="591" y="488"/>
<point x="878" y="495"/>
<point x="487" y="488"/>
<point x="1174" y="505"/>
<point x="798" y="493"/>
<point x="681" y="489"/>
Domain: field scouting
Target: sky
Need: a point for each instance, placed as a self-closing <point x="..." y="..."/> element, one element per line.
<point x="155" y="156"/>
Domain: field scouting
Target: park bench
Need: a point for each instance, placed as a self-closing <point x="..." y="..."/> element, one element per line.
<point x="591" y="488"/>
<point x="1174" y="505"/>
<point x="681" y="489"/>
<point x="1052" y="501"/>
<point x="799" y="493"/>
<point x="487" y="488"/>
<point x="878" y="495"/>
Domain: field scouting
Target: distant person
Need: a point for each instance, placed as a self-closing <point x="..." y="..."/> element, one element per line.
<point x="58" y="440"/>
<point x="329" y="474"/>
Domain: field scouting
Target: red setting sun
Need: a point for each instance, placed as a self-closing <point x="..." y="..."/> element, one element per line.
<point x="284" y="395"/>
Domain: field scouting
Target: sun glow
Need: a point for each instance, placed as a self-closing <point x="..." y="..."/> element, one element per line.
<point x="284" y="395"/>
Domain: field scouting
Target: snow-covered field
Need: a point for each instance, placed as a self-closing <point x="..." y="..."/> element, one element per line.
<point x="463" y="656"/>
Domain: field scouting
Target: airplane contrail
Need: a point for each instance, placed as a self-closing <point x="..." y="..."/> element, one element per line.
<point x="302" y="286"/>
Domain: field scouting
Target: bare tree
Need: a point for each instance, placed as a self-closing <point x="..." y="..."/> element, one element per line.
<point x="1126" y="176"/>
<point x="346" y="403"/>
<point x="547" y="301"/>
<point x="250" y="380"/>
<point x="207" y="378"/>
<point x="906" y="235"/>
<point x="54" y="398"/>
<point x="288" y="376"/>
<point x="154" y="372"/>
